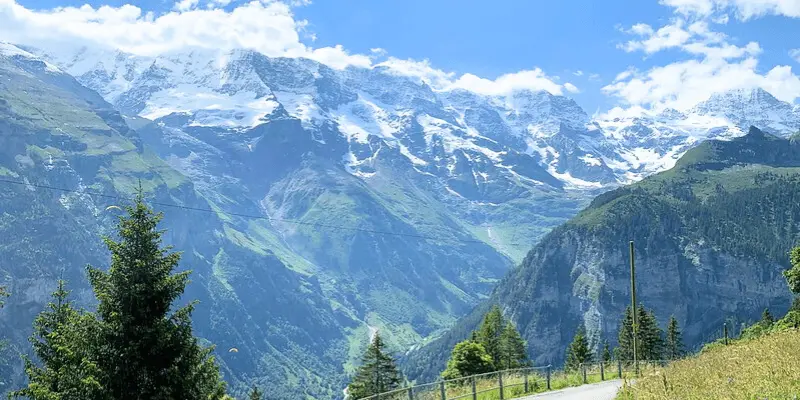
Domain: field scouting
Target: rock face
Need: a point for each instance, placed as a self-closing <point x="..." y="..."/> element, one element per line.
<point x="712" y="236"/>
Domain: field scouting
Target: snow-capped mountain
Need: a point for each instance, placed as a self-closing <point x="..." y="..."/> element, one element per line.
<point x="431" y="128"/>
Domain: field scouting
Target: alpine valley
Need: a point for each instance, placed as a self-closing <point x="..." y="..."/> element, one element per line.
<point x="316" y="205"/>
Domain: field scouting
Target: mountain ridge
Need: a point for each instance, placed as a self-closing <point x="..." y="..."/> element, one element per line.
<point x="712" y="236"/>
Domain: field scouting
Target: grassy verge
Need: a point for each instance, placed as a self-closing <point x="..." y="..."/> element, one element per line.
<point x="766" y="367"/>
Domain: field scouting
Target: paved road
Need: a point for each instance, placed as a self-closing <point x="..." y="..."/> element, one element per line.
<point x="598" y="391"/>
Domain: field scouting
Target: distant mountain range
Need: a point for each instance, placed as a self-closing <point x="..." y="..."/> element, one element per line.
<point x="388" y="204"/>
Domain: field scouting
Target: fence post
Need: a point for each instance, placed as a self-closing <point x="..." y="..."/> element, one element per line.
<point x="725" y="329"/>
<point x="602" y="371"/>
<point x="548" y="377"/>
<point x="500" y="379"/>
<point x="441" y="389"/>
<point x="526" y="381"/>
<point x="474" y="392"/>
<point x="583" y="371"/>
<point x="619" y="369"/>
<point x="410" y="393"/>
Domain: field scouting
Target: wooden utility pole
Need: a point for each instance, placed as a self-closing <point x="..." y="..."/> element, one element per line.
<point x="633" y="309"/>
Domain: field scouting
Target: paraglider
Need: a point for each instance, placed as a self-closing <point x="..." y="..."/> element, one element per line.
<point x="110" y="207"/>
<point x="233" y="350"/>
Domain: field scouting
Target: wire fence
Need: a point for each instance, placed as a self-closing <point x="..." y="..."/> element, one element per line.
<point x="509" y="384"/>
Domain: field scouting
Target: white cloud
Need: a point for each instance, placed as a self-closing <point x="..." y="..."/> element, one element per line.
<point x="578" y="73"/>
<point x="683" y="84"/>
<point x="743" y="9"/>
<point x="669" y="36"/>
<point x="534" y="79"/>
<point x="338" y="57"/>
<point x="419" y="69"/>
<point x="185" y="5"/>
<point x="795" y="54"/>
<point x="695" y="38"/>
<point x="571" y="88"/>
<point x="715" y="64"/>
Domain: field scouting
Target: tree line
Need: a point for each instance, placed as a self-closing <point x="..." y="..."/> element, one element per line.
<point x="135" y="345"/>
<point x="652" y="343"/>
<point x="496" y="345"/>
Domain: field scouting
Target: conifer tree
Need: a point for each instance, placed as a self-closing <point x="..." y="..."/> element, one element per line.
<point x="578" y="351"/>
<point x="255" y="394"/>
<point x="61" y="343"/>
<point x="624" y="350"/>
<point x="651" y="336"/>
<point x="489" y="334"/>
<point x="378" y="372"/>
<point x="766" y="318"/>
<point x="468" y="358"/>
<point x="143" y="351"/>
<point x="606" y="356"/>
<point x="674" y="345"/>
<point x="513" y="352"/>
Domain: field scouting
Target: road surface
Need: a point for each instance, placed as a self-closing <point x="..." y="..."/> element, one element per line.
<point x="598" y="391"/>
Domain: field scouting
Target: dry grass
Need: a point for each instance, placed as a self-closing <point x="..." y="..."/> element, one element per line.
<point x="764" y="368"/>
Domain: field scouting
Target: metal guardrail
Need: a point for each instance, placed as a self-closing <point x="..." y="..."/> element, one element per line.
<point x="512" y="383"/>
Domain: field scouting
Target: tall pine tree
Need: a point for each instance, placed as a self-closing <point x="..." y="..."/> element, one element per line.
<point x="674" y="345"/>
<point x="513" y="352"/>
<point x="61" y="343"/>
<point x="766" y="318"/>
<point x="144" y="352"/>
<point x="606" y="356"/>
<point x="378" y="372"/>
<point x="624" y="350"/>
<point x="651" y="336"/>
<point x="489" y="334"/>
<point x="578" y="351"/>
<point x="255" y="394"/>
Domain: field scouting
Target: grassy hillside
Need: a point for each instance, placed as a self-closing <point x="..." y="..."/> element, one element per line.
<point x="763" y="367"/>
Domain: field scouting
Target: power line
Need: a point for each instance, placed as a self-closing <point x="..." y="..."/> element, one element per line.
<point x="243" y="215"/>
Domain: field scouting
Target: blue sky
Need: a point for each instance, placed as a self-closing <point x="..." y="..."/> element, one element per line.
<point x="490" y="39"/>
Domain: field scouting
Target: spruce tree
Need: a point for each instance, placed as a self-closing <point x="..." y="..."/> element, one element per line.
<point x="489" y="334"/>
<point x="255" y="394"/>
<point x="674" y="345"/>
<point x="513" y="352"/>
<point x="624" y="350"/>
<point x="61" y="342"/>
<point x="468" y="358"/>
<point x="578" y="351"/>
<point x="766" y="318"/>
<point x="606" y="356"/>
<point x="144" y="352"/>
<point x="651" y="337"/>
<point x="378" y="372"/>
